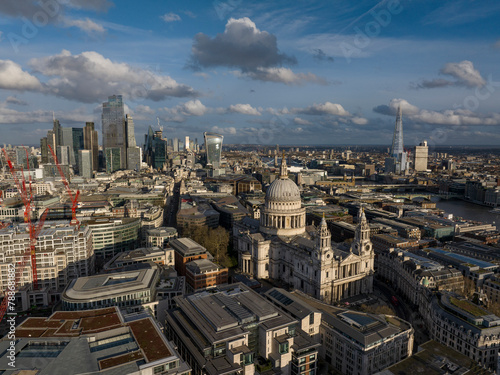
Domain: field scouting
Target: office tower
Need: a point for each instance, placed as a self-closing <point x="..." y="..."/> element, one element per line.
<point x="67" y="140"/>
<point x="186" y="143"/>
<point x="155" y="149"/>
<point x="420" y="158"/>
<point x="399" y="164"/>
<point x="129" y="128"/>
<point x="21" y="159"/>
<point x="44" y="150"/>
<point x="77" y="144"/>
<point x="175" y="145"/>
<point x="134" y="158"/>
<point x="113" y="156"/>
<point x="57" y="130"/>
<point x="213" y="148"/>
<point x="113" y="129"/>
<point x="85" y="166"/>
<point x="90" y="142"/>
<point x="63" y="155"/>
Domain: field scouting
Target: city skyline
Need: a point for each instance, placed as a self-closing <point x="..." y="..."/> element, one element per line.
<point x="315" y="73"/>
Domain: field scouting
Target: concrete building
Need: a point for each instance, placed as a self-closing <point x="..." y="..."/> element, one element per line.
<point x="133" y="286"/>
<point x="90" y="142"/>
<point x="282" y="248"/>
<point x="433" y="357"/>
<point x="85" y="167"/>
<point x="100" y="341"/>
<point x="186" y="250"/>
<point x="164" y="257"/>
<point x="224" y="331"/>
<point x="63" y="252"/>
<point x="410" y="274"/>
<point x="462" y="325"/>
<point x="420" y="157"/>
<point x="160" y="236"/>
<point x="202" y="274"/>
<point x="111" y="236"/>
<point x="351" y="342"/>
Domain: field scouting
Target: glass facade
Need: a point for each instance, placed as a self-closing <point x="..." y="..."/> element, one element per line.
<point x="213" y="147"/>
<point x="113" y="159"/>
<point x="113" y="126"/>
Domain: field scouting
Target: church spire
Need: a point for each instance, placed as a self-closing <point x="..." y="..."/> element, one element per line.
<point x="283" y="167"/>
<point x="324" y="236"/>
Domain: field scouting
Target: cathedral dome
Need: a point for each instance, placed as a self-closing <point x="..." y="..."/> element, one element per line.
<point x="283" y="190"/>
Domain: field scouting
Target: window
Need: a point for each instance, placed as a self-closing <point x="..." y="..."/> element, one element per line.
<point x="158" y="369"/>
<point x="283" y="348"/>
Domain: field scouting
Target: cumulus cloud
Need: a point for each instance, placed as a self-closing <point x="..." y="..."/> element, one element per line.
<point x="170" y="17"/>
<point x="300" y="121"/>
<point x="90" y="77"/>
<point x="463" y="72"/>
<point x="359" y="120"/>
<point x="190" y="108"/>
<point x="284" y="75"/>
<point x="392" y="108"/>
<point x="14" y="100"/>
<point x="455" y="117"/>
<point x="245" y="109"/>
<point x="13" y="77"/>
<point x="253" y="52"/>
<point x="321" y="109"/>
<point x="242" y="45"/>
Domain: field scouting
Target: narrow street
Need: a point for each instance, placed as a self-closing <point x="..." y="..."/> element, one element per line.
<point x="404" y="311"/>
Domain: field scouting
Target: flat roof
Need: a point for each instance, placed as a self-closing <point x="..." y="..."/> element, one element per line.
<point x="185" y="246"/>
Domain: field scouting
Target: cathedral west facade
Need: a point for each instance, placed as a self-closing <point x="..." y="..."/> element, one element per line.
<point x="282" y="247"/>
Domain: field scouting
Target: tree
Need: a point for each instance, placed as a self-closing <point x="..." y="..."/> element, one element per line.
<point x="382" y="309"/>
<point x="469" y="288"/>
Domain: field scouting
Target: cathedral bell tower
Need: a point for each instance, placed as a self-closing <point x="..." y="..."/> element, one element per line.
<point x="323" y="239"/>
<point x="362" y="244"/>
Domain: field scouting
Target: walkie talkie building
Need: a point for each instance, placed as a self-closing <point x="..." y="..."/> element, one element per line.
<point x="213" y="147"/>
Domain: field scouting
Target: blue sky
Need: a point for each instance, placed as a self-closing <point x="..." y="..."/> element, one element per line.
<point x="302" y="72"/>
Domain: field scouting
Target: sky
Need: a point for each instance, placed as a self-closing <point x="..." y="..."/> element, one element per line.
<point x="258" y="72"/>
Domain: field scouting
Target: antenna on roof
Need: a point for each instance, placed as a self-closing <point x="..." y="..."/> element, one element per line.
<point x="161" y="127"/>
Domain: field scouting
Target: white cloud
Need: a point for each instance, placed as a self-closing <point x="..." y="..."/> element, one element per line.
<point x="190" y="108"/>
<point x="90" y="77"/>
<point x="86" y="25"/>
<point x="245" y="109"/>
<point x="170" y="17"/>
<point x="456" y="117"/>
<point x="283" y="75"/>
<point x="13" y="77"/>
<point x="465" y="73"/>
<point x="359" y="121"/>
<point x="326" y="108"/>
<point x="300" y="121"/>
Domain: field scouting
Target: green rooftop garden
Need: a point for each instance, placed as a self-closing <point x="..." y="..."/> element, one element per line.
<point x="468" y="307"/>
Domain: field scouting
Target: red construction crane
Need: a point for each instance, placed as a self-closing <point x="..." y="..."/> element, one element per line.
<point x="34" y="230"/>
<point x="74" y="199"/>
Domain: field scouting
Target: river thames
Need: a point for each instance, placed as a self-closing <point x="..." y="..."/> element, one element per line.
<point x="469" y="211"/>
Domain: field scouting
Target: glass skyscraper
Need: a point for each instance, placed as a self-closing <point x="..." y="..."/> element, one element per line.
<point x="113" y="128"/>
<point x="213" y="147"/>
